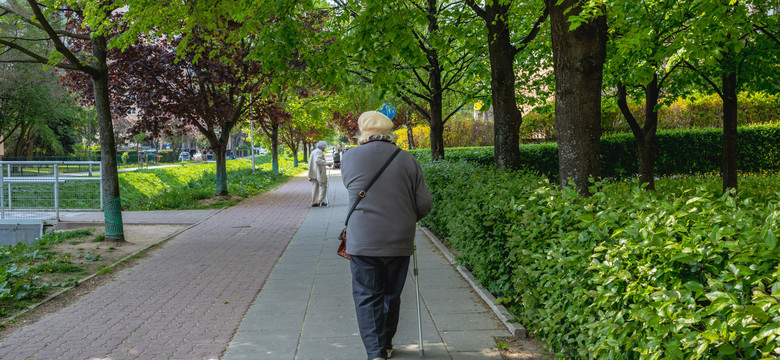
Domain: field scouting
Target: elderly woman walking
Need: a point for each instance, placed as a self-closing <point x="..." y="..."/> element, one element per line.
<point x="318" y="175"/>
<point x="380" y="233"/>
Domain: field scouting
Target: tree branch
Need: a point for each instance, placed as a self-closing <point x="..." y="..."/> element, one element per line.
<point x="477" y="10"/>
<point x="413" y="104"/>
<point x="534" y="31"/>
<point x="767" y="33"/>
<point x="58" y="44"/>
<point x="663" y="78"/>
<point x="705" y="77"/>
<point x="35" y="58"/>
<point x="40" y="26"/>
<point x="623" y="105"/>
<point x="453" y="112"/>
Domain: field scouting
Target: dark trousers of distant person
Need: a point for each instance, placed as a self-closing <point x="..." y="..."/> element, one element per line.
<point x="377" y="283"/>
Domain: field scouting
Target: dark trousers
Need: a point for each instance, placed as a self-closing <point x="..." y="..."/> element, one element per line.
<point x="376" y="288"/>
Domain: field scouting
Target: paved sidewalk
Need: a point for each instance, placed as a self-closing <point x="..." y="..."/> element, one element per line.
<point x="305" y="309"/>
<point x="259" y="280"/>
<point x="184" y="301"/>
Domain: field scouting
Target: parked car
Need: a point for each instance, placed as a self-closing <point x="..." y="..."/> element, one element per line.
<point x="185" y="155"/>
<point x="197" y="157"/>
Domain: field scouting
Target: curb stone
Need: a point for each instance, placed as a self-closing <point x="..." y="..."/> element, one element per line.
<point x="515" y="328"/>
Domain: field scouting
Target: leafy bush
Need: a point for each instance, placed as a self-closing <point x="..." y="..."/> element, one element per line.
<point x="421" y="134"/>
<point x="458" y="132"/>
<point x="625" y="274"/>
<point x="677" y="152"/>
<point x="695" y="111"/>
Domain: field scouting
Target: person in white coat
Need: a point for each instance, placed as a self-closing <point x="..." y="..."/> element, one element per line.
<point x="318" y="175"/>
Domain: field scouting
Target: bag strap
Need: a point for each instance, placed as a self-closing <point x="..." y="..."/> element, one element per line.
<point x="362" y="193"/>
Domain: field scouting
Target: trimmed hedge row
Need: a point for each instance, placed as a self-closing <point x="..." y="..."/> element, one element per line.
<point x="624" y="274"/>
<point x="677" y="152"/>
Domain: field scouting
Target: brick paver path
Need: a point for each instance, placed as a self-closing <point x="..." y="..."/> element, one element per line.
<point x="184" y="301"/>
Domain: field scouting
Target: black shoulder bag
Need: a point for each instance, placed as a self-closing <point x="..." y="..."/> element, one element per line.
<point x="342" y="250"/>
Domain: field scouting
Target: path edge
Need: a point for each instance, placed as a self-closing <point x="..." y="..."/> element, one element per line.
<point x="516" y="329"/>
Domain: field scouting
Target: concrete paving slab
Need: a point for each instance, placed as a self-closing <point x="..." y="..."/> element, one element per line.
<point x="451" y="312"/>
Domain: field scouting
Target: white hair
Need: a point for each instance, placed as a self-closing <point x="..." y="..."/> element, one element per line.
<point x="362" y="139"/>
<point x="321" y="145"/>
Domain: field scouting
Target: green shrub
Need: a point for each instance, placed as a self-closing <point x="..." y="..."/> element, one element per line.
<point x="695" y="111"/>
<point x="625" y="274"/>
<point x="677" y="152"/>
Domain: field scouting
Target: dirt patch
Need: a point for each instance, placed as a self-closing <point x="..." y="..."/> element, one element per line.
<point x="523" y="349"/>
<point x="88" y="255"/>
<point x="92" y="254"/>
<point x="216" y="201"/>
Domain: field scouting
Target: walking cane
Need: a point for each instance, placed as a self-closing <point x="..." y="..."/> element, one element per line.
<point x="417" y="288"/>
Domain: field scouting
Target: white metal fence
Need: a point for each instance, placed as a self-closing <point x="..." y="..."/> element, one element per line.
<point x="40" y="189"/>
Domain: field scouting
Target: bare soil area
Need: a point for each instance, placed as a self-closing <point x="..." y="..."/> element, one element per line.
<point x="521" y="349"/>
<point x="92" y="255"/>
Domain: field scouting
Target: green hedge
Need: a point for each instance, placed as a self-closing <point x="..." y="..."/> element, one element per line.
<point x="624" y="274"/>
<point x="677" y="152"/>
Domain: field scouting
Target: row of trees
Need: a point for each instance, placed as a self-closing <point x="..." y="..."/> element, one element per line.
<point x="211" y="67"/>
<point x="194" y="76"/>
<point x="37" y="117"/>
<point x="637" y="50"/>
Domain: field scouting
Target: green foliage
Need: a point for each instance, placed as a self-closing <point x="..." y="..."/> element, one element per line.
<point x="625" y="274"/>
<point x="16" y="281"/>
<point x="694" y="111"/>
<point x="458" y="132"/>
<point x="759" y="151"/>
<point x="181" y="187"/>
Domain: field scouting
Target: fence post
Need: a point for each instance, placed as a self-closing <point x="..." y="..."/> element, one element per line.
<point x="100" y="190"/>
<point x="10" y="205"/>
<point x="2" y="198"/>
<point x="56" y="193"/>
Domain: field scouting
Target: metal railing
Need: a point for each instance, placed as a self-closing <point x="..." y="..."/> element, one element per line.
<point x="40" y="189"/>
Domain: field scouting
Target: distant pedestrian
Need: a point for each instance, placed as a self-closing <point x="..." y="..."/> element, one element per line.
<point x="318" y="175"/>
<point x="336" y="158"/>
<point x="380" y="234"/>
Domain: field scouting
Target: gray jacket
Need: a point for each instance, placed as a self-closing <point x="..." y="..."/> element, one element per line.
<point x="383" y="223"/>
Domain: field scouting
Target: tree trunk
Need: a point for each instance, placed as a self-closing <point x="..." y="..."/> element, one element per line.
<point x="295" y="155"/>
<point x="578" y="58"/>
<point x="437" y="132"/>
<point x="219" y="155"/>
<point x="507" y="117"/>
<point x="644" y="136"/>
<point x="646" y="155"/>
<point x="275" y="146"/>
<point x="436" y="96"/>
<point x="112" y="210"/>
<point x="436" y="120"/>
<point x="730" y="150"/>
<point x="305" y="152"/>
<point x="409" y="132"/>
